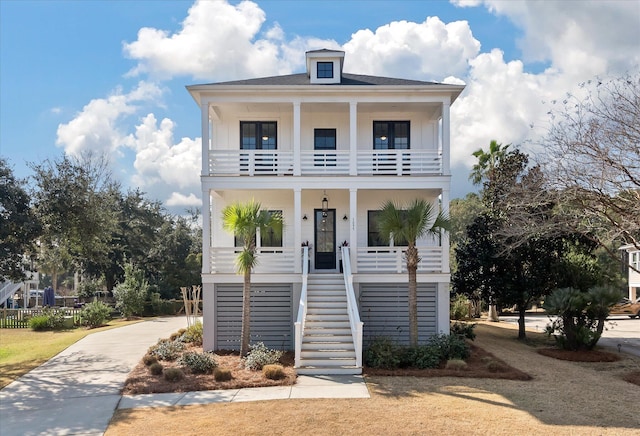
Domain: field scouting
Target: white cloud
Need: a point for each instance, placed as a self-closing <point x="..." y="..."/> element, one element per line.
<point x="216" y="40"/>
<point x="177" y="199"/>
<point x="429" y="50"/>
<point x="98" y="126"/>
<point x="160" y="164"/>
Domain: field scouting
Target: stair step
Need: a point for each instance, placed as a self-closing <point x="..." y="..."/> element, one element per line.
<point x="326" y="346"/>
<point x="326" y="305"/>
<point x="327" y="339"/>
<point x="328" y="362"/>
<point x="337" y="353"/>
<point x="336" y="370"/>
<point x="327" y="317"/>
<point x="327" y="331"/>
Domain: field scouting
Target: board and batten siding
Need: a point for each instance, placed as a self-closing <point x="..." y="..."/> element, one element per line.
<point x="384" y="311"/>
<point x="271" y="316"/>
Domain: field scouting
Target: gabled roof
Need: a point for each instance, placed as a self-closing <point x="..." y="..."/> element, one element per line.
<point x="347" y="80"/>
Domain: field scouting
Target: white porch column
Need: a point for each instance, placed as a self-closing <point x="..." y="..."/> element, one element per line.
<point x="296" y="139"/>
<point x="206" y="232"/>
<point x="297" y="232"/>
<point x="204" y="113"/>
<point x="446" y="138"/>
<point x="353" y="138"/>
<point x="445" y="235"/>
<point x="353" y="232"/>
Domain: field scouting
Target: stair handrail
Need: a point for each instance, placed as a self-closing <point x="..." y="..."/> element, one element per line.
<point x="302" y="308"/>
<point x="352" y="306"/>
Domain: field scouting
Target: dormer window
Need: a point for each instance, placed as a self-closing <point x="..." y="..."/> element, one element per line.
<point x="325" y="70"/>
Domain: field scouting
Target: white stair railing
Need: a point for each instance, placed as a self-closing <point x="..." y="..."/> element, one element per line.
<point x="352" y="306"/>
<point x="302" y="308"/>
<point x="7" y="289"/>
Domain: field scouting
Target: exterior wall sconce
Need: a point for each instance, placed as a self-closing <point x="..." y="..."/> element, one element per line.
<point x="345" y="217"/>
<point x="325" y="204"/>
<point x="304" y="217"/>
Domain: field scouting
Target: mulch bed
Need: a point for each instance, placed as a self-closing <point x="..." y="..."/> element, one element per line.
<point x="481" y="364"/>
<point x="580" y="355"/>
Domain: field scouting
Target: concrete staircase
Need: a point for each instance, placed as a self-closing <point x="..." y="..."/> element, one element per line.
<point x="327" y="344"/>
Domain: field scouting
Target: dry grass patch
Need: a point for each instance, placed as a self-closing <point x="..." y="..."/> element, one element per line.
<point x="580" y="355"/>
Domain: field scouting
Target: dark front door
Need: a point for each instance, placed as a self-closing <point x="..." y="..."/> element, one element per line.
<point x="325" y="239"/>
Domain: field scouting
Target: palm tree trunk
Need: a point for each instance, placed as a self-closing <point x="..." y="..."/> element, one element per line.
<point x="412" y="268"/>
<point x="245" y="334"/>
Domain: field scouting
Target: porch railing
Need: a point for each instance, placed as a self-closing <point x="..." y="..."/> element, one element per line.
<point x="270" y="260"/>
<point x="352" y="306"/>
<point x="302" y="308"/>
<point x="391" y="259"/>
<point x="328" y="162"/>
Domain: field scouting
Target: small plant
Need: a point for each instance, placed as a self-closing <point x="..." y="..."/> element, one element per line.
<point x="493" y="365"/>
<point x="450" y="347"/>
<point x="166" y="349"/>
<point x="149" y="359"/>
<point x="198" y="363"/>
<point x="273" y="372"/>
<point x="95" y="314"/>
<point x="193" y="334"/>
<point x="173" y="374"/>
<point x="177" y="336"/>
<point x="383" y="353"/>
<point x="460" y="307"/>
<point x="259" y="355"/>
<point x="39" y="323"/>
<point x="156" y="368"/>
<point x="464" y="329"/>
<point x="222" y="374"/>
<point x="422" y="357"/>
<point x="456" y="364"/>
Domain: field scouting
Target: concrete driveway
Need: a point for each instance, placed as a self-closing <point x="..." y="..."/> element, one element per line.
<point x="620" y="330"/>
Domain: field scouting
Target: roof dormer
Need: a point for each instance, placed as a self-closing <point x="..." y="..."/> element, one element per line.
<point x="324" y="66"/>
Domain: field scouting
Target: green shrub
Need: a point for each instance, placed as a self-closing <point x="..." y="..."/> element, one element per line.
<point x="198" y="363"/>
<point x="173" y="374"/>
<point x="456" y="364"/>
<point x="131" y="294"/>
<point x="449" y="347"/>
<point x="95" y="314"/>
<point x="460" y="308"/>
<point x="383" y="353"/>
<point x="222" y="374"/>
<point x="149" y="359"/>
<point x="422" y="357"/>
<point x="259" y="355"/>
<point x="89" y="288"/>
<point x="166" y="349"/>
<point x="464" y="329"/>
<point x="39" y="323"/>
<point x="193" y="334"/>
<point x="156" y="368"/>
<point x="273" y="372"/>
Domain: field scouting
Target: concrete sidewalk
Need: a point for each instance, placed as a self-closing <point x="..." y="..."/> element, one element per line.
<point x="77" y="391"/>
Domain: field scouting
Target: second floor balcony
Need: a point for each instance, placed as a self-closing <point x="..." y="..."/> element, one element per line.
<point x="333" y="162"/>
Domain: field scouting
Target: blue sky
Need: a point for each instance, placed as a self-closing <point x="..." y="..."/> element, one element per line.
<point x="110" y="75"/>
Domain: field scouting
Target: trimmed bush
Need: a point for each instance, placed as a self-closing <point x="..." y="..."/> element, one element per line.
<point x="95" y="314"/>
<point x="273" y="372"/>
<point x="492" y="365"/>
<point x="173" y="374"/>
<point x="259" y="356"/>
<point x="464" y="329"/>
<point x="422" y="357"/>
<point x="166" y="349"/>
<point x="222" y="374"/>
<point x="456" y="364"/>
<point x="177" y="336"/>
<point x="149" y="359"/>
<point x="198" y="363"/>
<point x="39" y="323"/>
<point x="156" y="368"/>
<point x="383" y="353"/>
<point x="450" y="347"/>
<point x="193" y="334"/>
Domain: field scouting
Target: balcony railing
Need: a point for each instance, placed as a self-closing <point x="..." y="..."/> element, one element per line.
<point x="386" y="260"/>
<point x="330" y="162"/>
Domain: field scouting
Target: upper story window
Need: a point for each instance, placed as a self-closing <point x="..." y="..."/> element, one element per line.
<point x="325" y="70"/>
<point x="391" y="135"/>
<point x="324" y="139"/>
<point x="258" y="135"/>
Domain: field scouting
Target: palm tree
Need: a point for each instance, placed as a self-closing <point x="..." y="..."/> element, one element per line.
<point x="484" y="170"/>
<point x="243" y="220"/>
<point x="409" y="224"/>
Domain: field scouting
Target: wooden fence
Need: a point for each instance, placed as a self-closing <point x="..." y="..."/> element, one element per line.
<point x="19" y="318"/>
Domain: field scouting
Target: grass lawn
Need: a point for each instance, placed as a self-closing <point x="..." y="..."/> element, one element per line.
<point x="564" y="398"/>
<point x="21" y="350"/>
